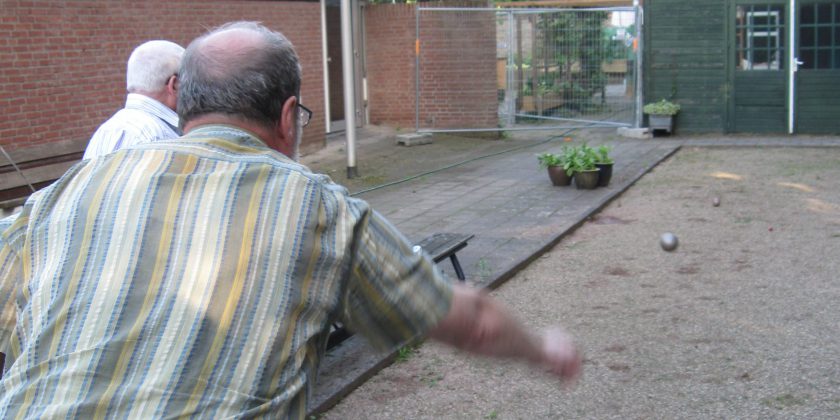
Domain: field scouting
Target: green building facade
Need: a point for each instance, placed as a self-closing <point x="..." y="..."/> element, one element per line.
<point x="730" y="65"/>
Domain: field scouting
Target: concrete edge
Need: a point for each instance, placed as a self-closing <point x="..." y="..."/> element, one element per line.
<point x="378" y="361"/>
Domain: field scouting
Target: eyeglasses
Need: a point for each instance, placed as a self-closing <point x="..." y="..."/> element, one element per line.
<point x="304" y="115"/>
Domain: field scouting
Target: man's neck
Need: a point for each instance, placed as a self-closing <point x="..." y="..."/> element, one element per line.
<point x="161" y="97"/>
<point x="258" y="130"/>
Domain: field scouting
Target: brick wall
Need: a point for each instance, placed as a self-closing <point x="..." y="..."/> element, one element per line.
<point x="62" y="68"/>
<point x="457" y="63"/>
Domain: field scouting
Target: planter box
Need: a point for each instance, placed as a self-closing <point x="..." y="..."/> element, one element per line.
<point x="540" y="104"/>
<point x="661" y="122"/>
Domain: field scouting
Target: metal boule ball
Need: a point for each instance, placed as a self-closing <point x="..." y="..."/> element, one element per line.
<point x="668" y="241"/>
<point x="716" y="201"/>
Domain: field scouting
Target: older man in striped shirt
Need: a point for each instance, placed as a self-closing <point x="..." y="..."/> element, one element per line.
<point x="149" y="112"/>
<point x="200" y="276"/>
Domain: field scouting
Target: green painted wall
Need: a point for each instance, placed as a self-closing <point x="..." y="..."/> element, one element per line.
<point x="685" y="60"/>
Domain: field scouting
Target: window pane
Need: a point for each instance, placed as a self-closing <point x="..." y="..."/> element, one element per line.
<point x="824" y="13"/>
<point x="807" y="17"/>
<point x="824" y="36"/>
<point x="807" y="37"/>
<point x="807" y="57"/>
<point x="824" y="59"/>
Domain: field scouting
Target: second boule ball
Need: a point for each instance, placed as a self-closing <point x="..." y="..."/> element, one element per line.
<point x="668" y="241"/>
<point x="716" y="201"/>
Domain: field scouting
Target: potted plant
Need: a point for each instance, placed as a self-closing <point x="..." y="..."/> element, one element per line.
<point x="558" y="166"/>
<point x="585" y="171"/>
<point x="661" y="114"/>
<point x="604" y="162"/>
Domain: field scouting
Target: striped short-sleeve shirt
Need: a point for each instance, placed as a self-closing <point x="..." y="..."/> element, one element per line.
<point x="196" y="276"/>
<point x="143" y="119"/>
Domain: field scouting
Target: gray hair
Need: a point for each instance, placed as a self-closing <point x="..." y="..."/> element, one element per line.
<point x="151" y="65"/>
<point x="251" y="82"/>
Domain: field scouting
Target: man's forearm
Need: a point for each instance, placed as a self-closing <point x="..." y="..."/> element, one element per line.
<point x="478" y="324"/>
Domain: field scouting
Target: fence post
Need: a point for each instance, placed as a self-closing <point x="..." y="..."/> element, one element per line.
<point x="640" y="17"/>
<point x="510" y="96"/>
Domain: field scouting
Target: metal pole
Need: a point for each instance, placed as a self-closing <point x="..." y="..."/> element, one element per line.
<point x="509" y="95"/>
<point x="326" y="58"/>
<point x="14" y="165"/>
<point x="793" y="66"/>
<point x="640" y="17"/>
<point x="349" y="87"/>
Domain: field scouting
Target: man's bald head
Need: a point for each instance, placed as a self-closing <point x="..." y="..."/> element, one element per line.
<point x="241" y="70"/>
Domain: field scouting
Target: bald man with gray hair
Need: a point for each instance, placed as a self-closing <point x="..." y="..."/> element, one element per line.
<point x="149" y="113"/>
<point x="200" y="276"/>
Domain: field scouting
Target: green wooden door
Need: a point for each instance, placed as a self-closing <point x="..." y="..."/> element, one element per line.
<point x="758" y="62"/>
<point x="817" y="92"/>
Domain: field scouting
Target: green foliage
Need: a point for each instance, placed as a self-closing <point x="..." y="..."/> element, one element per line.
<point x="405" y="353"/>
<point x="584" y="159"/>
<point x="576" y="159"/>
<point x="563" y="159"/>
<point x="549" y="159"/>
<point x="575" y="31"/>
<point x="604" y="154"/>
<point x="663" y="107"/>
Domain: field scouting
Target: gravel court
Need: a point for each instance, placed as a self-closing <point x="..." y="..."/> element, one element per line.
<point x="739" y="322"/>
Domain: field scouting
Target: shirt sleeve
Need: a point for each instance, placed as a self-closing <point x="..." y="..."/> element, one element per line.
<point x="11" y="233"/>
<point x="393" y="294"/>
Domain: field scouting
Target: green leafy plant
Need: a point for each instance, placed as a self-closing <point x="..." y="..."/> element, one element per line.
<point x="603" y="154"/>
<point x="663" y="107"/>
<point x="549" y="159"/>
<point x="584" y="159"/>
<point x="563" y="159"/>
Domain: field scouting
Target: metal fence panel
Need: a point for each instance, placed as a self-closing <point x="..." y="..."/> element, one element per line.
<point x="542" y="69"/>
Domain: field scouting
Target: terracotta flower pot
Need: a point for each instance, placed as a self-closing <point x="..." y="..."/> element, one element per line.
<point x="558" y="176"/>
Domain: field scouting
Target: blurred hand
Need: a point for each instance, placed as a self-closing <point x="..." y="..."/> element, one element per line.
<point x="560" y="355"/>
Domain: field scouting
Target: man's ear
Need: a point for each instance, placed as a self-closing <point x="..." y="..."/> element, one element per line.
<point x="285" y="129"/>
<point x="172" y="91"/>
<point x="172" y="84"/>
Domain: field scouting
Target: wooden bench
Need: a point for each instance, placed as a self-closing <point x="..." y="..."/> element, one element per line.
<point x="439" y="246"/>
<point x="442" y="245"/>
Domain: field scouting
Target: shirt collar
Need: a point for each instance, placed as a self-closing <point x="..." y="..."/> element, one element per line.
<point x="152" y="106"/>
<point x="226" y="132"/>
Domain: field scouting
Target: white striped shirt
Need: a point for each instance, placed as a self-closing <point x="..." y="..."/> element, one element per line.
<point x="142" y="120"/>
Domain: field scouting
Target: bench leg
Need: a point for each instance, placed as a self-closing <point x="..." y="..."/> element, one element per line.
<point x="457" y="265"/>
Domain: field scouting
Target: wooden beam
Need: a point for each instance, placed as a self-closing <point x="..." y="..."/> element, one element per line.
<point x="566" y="3"/>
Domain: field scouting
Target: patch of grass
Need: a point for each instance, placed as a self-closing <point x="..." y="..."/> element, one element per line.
<point x="405" y="353"/>
<point x="372" y="179"/>
<point x="780" y="402"/>
<point x="492" y="415"/>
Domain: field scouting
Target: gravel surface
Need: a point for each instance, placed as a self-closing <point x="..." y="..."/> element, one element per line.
<point x="740" y="321"/>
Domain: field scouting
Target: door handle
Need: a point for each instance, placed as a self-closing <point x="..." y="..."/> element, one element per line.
<point x="797" y="62"/>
